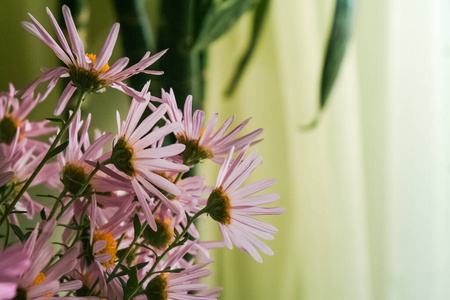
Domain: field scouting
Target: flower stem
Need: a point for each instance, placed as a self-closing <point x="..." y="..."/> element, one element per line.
<point x="55" y="206"/>
<point x="47" y="156"/>
<point x="173" y="245"/>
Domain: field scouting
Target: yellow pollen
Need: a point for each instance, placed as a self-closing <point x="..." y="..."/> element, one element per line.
<point x="93" y="58"/>
<point x="201" y="133"/>
<point x="110" y="248"/>
<point x="39" y="279"/>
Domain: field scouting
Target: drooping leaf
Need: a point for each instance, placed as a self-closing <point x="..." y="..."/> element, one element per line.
<point x="220" y="18"/>
<point x="258" y="22"/>
<point x="337" y="43"/>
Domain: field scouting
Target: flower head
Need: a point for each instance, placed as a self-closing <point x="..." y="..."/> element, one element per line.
<point x="13" y="113"/>
<point x="14" y="261"/>
<point x="202" y="143"/>
<point x="230" y="205"/>
<point x="132" y="156"/>
<point x="178" y="285"/>
<point x="89" y="73"/>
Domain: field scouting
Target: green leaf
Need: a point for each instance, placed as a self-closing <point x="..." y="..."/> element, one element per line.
<point x="22" y="237"/>
<point x="137" y="225"/>
<point x="43" y="216"/>
<point x="258" y="22"/>
<point x="133" y="280"/>
<point x="220" y="18"/>
<point x="337" y="43"/>
<point x="58" y="149"/>
<point x="58" y="120"/>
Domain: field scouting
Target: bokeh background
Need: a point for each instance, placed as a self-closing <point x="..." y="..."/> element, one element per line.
<point x="366" y="190"/>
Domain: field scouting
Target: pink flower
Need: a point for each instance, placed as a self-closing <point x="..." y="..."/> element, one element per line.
<point x="22" y="163"/>
<point x="230" y="205"/>
<point x="12" y="117"/>
<point x="204" y="143"/>
<point x="75" y="170"/>
<point x="40" y="280"/>
<point x="87" y="72"/>
<point x="173" y="286"/>
<point x="132" y="156"/>
<point x="13" y="261"/>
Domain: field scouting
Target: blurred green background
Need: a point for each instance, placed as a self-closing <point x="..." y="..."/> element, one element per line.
<point x="366" y="191"/>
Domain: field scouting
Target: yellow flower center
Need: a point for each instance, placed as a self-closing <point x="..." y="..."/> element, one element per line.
<point x="219" y="206"/>
<point x="8" y="129"/>
<point x="110" y="248"/>
<point x="163" y="235"/>
<point x="39" y="279"/>
<point x="93" y="58"/>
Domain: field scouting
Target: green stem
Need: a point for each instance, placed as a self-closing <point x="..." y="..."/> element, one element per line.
<point x="122" y="258"/>
<point x="7" y="234"/>
<point x="173" y="245"/>
<point x="55" y="206"/>
<point x="47" y="156"/>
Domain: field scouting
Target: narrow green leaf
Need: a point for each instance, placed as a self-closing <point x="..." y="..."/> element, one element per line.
<point x="57" y="120"/>
<point x="337" y="43"/>
<point x="137" y="225"/>
<point x="258" y="22"/>
<point x="58" y="149"/>
<point x="219" y="19"/>
<point x="18" y="232"/>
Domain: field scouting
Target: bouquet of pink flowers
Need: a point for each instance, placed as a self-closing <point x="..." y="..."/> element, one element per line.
<point x="126" y="204"/>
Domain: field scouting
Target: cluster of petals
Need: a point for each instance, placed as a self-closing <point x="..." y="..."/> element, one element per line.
<point x="179" y="284"/>
<point x="22" y="162"/>
<point x="241" y="229"/>
<point x="216" y="143"/>
<point x="146" y="160"/>
<point x="40" y="279"/>
<point x="76" y="61"/>
<point x="13" y="113"/>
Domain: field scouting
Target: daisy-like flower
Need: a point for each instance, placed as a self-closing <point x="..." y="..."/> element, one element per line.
<point x="174" y="286"/>
<point x="103" y="238"/>
<point x="22" y="163"/>
<point x="12" y="116"/>
<point x="140" y="164"/>
<point x="202" y="143"/>
<point x="75" y="170"/>
<point x="13" y="261"/>
<point x="88" y="72"/>
<point x="40" y="280"/>
<point x="230" y="205"/>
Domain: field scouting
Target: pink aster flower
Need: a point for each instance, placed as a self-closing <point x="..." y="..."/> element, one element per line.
<point x="230" y="205"/>
<point x="13" y="261"/>
<point x="174" y="286"/>
<point x="132" y="156"/>
<point x="103" y="238"/>
<point x="40" y="280"/>
<point x="205" y="143"/>
<point x="75" y="170"/>
<point x="22" y="163"/>
<point x="12" y="116"/>
<point x="87" y="72"/>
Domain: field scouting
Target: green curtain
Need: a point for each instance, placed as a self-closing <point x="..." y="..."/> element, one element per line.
<point x="321" y="248"/>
